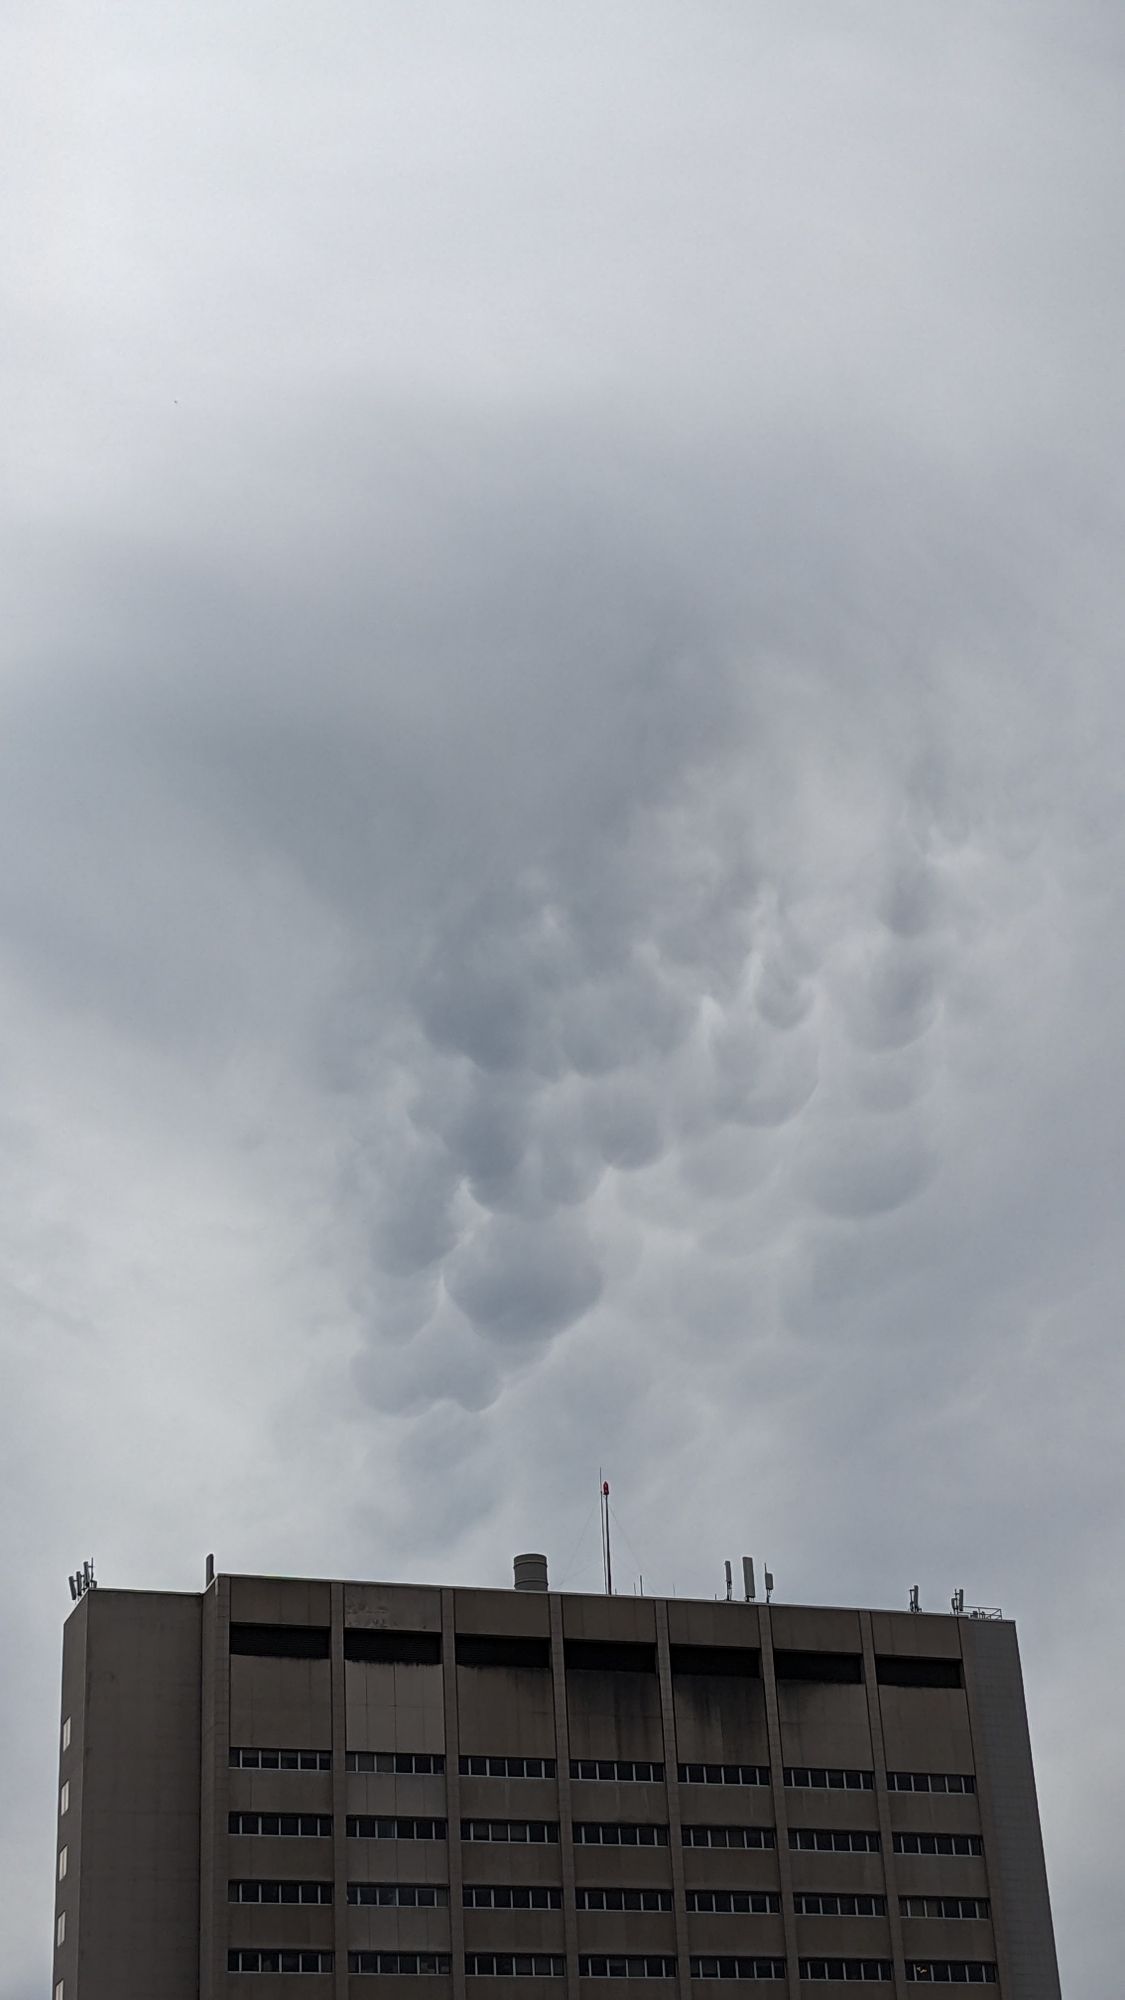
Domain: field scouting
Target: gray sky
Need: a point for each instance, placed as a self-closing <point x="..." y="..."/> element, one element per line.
<point x="562" y="826"/>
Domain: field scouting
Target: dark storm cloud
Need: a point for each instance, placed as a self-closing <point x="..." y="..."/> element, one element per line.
<point x="561" y="825"/>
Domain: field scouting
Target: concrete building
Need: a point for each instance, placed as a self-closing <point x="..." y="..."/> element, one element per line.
<point x="443" y="1794"/>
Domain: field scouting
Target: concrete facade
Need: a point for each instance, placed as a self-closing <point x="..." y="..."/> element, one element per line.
<point x="463" y="1794"/>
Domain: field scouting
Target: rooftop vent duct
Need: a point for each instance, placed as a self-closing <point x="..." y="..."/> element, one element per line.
<point x="530" y="1572"/>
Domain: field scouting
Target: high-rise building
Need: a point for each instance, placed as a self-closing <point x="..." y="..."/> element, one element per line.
<point x="447" y="1794"/>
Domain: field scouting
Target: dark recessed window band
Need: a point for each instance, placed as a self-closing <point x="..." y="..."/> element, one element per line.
<point x="482" y="1649"/>
<point x="717" y="1662"/>
<point x="836" y="1668"/>
<point x="605" y="1656"/>
<point x="906" y="1670"/>
<point x="282" y="1642"/>
<point x="396" y="1649"/>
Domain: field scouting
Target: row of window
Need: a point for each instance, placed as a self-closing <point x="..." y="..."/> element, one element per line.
<point x="244" y="1759"/>
<point x="599" y="1833"/>
<point x="618" y="1770"/>
<point x="930" y="1781"/>
<point x="969" y="1907"/>
<point x="723" y="1774"/>
<point x="729" y="1836"/>
<point x="279" y="1892"/>
<point x="833" y="1840"/>
<point x="717" y="1902"/>
<point x="737" y="1968"/>
<point x="824" y="1903"/>
<point x="952" y="1971"/>
<point x="819" y="1778"/>
<point x="402" y="1763"/>
<point x="399" y="1963"/>
<point x="516" y="1965"/>
<point x="245" y="1959"/>
<point x="864" y="1970"/>
<point x="508" y="1767"/>
<point x="936" y="1971"/>
<point x="552" y="1965"/>
<point x="485" y="1896"/>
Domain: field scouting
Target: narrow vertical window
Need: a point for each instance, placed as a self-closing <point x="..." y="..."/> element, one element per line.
<point x="60" y="1928"/>
<point x="66" y="1734"/>
<point x="64" y="1798"/>
<point x="62" y="1863"/>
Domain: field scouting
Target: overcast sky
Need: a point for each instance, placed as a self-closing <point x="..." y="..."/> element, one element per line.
<point x="561" y="819"/>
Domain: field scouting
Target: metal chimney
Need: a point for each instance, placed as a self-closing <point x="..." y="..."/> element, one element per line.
<point x="530" y="1572"/>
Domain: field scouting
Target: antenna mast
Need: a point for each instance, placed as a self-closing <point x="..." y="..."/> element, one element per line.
<point x="607" y="1555"/>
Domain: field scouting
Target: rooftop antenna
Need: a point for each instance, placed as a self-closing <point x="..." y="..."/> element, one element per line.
<point x="82" y="1581"/>
<point x="914" y="1604"/>
<point x="730" y="1585"/>
<point x="607" y="1554"/>
<point x="957" y="1603"/>
<point x="769" y="1585"/>
<point x="748" y="1590"/>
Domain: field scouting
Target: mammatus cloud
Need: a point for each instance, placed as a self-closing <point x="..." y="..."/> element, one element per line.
<point x="561" y="823"/>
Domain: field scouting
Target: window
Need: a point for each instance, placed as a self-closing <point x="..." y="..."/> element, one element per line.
<point x="952" y="1971"/>
<point x="729" y="1836"/>
<point x="281" y="1642"/>
<point x="907" y="1670"/>
<point x="398" y="1649"/>
<point x="368" y="1826"/>
<point x="617" y="1770"/>
<point x="827" y="1903"/>
<point x="816" y="1778"/>
<point x="835" y="1840"/>
<point x="737" y="1968"/>
<point x="718" y="1662"/>
<point x="400" y="1964"/>
<point x="609" y="1656"/>
<point x="930" y="1781"/>
<point x="60" y="1928"/>
<point x="244" y="1759"/>
<point x="535" y="1830"/>
<point x="626" y="1968"/>
<point x="846" y="1968"/>
<point x="279" y="1892"/>
<point x="507" y="1767"/>
<point x="64" y="1799"/>
<point x="724" y="1774"/>
<point x="66" y="1734"/>
<point x="957" y="1907"/>
<point x="63" y="1858"/>
<point x="403" y="1763"/>
<point x="399" y="1895"/>
<point x="59" y="1991"/>
<point x="515" y="1965"/>
<point x="244" y="1960"/>
<point x="938" y="1843"/>
<point x="484" y="1896"/>
<point x="817" y="1666"/>
<point x="286" y="1826"/>
<point x="735" y="1902"/>
<point x="478" y="1649"/>
<point x="619" y="1833"/>
<point x="622" y="1899"/>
